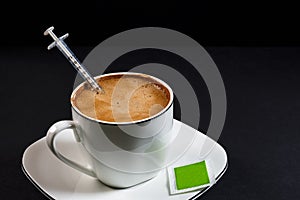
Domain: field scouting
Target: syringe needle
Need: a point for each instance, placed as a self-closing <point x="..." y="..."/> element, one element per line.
<point x="63" y="47"/>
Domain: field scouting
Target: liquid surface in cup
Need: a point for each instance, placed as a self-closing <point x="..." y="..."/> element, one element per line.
<point x="126" y="98"/>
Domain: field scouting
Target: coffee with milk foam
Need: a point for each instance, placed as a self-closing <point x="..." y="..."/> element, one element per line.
<point x="126" y="98"/>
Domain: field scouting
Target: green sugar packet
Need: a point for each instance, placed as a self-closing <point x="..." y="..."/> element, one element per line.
<point x="190" y="177"/>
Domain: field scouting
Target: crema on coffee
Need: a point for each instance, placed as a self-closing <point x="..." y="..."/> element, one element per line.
<point x="126" y="98"/>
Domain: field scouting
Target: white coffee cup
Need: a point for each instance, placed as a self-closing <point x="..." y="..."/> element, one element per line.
<point x="119" y="154"/>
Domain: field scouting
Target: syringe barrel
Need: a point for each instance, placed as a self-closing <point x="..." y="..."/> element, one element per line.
<point x="62" y="46"/>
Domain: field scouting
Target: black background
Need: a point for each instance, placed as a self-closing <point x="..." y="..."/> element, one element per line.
<point x="212" y="22"/>
<point x="255" y="46"/>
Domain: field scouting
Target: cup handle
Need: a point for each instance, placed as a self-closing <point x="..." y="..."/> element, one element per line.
<point x="53" y="131"/>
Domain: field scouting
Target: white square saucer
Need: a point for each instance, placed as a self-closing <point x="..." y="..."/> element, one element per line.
<point x="59" y="181"/>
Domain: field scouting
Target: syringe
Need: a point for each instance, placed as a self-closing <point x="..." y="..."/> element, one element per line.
<point x="63" y="47"/>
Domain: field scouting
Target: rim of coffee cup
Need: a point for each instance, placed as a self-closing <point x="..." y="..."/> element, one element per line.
<point x="166" y="108"/>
